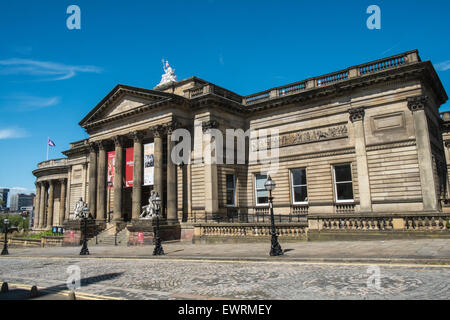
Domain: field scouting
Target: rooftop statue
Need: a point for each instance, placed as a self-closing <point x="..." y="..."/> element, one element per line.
<point x="169" y="74"/>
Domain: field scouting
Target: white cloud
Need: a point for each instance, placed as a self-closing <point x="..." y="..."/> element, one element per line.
<point x="25" y="102"/>
<point x="12" y="133"/>
<point x="52" y="71"/>
<point x="443" y="66"/>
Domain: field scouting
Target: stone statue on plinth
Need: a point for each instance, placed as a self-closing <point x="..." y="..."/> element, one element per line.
<point x="149" y="211"/>
<point x="81" y="210"/>
<point x="168" y="76"/>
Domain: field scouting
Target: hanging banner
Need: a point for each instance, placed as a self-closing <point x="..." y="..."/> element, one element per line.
<point x="148" y="163"/>
<point x="111" y="163"/>
<point x="129" y="164"/>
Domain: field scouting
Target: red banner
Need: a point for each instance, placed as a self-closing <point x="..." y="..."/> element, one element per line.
<point x="111" y="163"/>
<point x="129" y="158"/>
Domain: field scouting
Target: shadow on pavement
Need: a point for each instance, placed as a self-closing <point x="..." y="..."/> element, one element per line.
<point x="51" y="292"/>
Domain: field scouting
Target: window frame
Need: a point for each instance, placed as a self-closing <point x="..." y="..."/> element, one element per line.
<point x="256" y="191"/>
<point x="335" y="183"/>
<point x="298" y="185"/>
<point x="234" y="190"/>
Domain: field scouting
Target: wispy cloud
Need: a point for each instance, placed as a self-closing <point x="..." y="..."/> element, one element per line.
<point x="12" y="133"/>
<point x="443" y="66"/>
<point x="25" y="102"/>
<point x="221" y="59"/>
<point x="44" y="70"/>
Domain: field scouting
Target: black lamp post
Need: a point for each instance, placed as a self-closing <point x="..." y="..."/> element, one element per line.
<point x="84" y="249"/>
<point x="158" y="247"/>
<point x="5" y="244"/>
<point x="24" y="217"/>
<point x="275" y="249"/>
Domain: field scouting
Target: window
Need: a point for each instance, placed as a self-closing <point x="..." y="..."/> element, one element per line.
<point x="299" y="189"/>
<point x="343" y="186"/>
<point x="231" y="189"/>
<point x="262" y="195"/>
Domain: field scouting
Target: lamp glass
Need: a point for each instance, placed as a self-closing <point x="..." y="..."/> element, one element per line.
<point x="269" y="184"/>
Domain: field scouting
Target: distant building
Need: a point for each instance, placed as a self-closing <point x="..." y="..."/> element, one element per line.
<point x="4" y="197"/>
<point x="21" y="200"/>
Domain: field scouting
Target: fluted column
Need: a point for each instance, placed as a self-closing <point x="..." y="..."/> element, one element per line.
<point x="118" y="178"/>
<point x="158" y="160"/>
<point x="171" y="178"/>
<point x="429" y="193"/>
<point x="137" y="175"/>
<point x="42" y="205"/>
<point x="37" y="200"/>
<point x="92" y="177"/>
<point x="101" y="182"/>
<point x="365" y="197"/>
<point x="62" y="202"/>
<point x="51" y="202"/>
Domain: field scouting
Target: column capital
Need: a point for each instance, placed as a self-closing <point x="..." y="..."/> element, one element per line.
<point x="356" y="114"/>
<point x="101" y="144"/>
<point x="210" y="124"/>
<point x="137" y="136"/>
<point x="118" y="141"/>
<point x="51" y="182"/>
<point x="158" y="130"/>
<point x="172" y="126"/>
<point x="417" y="103"/>
<point x="447" y="143"/>
<point x="92" y="147"/>
<point x="62" y="180"/>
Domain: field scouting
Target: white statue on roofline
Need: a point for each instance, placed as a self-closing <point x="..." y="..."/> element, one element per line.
<point x="169" y="74"/>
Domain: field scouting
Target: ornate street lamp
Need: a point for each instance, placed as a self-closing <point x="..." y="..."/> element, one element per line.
<point x="84" y="249"/>
<point x="158" y="247"/>
<point x="5" y="244"/>
<point x="275" y="249"/>
<point x="24" y="217"/>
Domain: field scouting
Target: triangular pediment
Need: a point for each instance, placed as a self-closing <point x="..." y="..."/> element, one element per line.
<point x="125" y="99"/>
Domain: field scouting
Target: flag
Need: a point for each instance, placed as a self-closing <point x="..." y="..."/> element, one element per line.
<point x="51" y="143"/>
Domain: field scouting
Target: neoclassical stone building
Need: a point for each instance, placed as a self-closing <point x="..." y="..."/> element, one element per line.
<point x="360" y="149"/>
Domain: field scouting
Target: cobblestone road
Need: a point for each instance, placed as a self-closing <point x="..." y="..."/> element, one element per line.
<point x="182" y="279"/>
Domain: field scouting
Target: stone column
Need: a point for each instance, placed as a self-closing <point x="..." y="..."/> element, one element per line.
<point x="51" y="203"/>
<point x="137" y="175"/>
<point x="62" y="202"/>
<point x="171" y="178"/>
<point x="210" y="170"/>
<point x="68" y="190"/>
<point x="365" y="197"/>
<point x="42" y="204"/>
<point x="92" y="178"/>
<point x="118" y="178"/>
<point x="447" y="158"/>
<point x="158" y="160"/>
<point x="37" y="200"/>
<point x="101" y="182"/>
<point x="417" y="106"/>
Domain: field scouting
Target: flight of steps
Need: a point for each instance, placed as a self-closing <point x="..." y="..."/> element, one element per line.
<point x="109" y="238"/>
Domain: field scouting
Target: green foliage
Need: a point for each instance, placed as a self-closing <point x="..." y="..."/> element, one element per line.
<point x="40" y="235"/>
<point x="448" y="224"/>
<point x="15" y="220"/>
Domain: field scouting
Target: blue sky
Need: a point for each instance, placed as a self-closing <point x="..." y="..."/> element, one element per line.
<point x="51" y="77"/>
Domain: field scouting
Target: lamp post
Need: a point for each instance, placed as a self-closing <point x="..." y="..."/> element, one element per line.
<point x="275" y="249"/>
<point x="84" y="249"/>
<point x="5" y="244"/>
<point x="24" y="217"/>
<point x="158" y="247"/>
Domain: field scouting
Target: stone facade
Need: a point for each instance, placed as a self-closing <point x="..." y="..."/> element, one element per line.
<point x="367" y="142"/>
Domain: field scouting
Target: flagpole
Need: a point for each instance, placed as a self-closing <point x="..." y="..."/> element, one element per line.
<point x="48" y="138"/>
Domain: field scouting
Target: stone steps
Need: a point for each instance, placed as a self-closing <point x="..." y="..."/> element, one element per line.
<point x="110" y="239"/>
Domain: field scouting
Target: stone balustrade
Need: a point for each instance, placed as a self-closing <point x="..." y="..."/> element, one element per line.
<point x="250" y="230"/>
<point x="52" y="163"/>
<point x="416" y="222"/>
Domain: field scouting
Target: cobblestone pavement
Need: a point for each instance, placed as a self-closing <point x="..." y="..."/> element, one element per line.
<point x="205" y="279"/>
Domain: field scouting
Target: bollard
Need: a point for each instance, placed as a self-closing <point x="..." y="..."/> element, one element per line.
<point x="72" y="296"/>
<point x="34" y="292"/>
<point x="5" y="287"/>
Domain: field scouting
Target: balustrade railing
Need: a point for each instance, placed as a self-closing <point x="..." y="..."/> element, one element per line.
<point x="382" y="64"/>
<point x="252" y="230"/>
